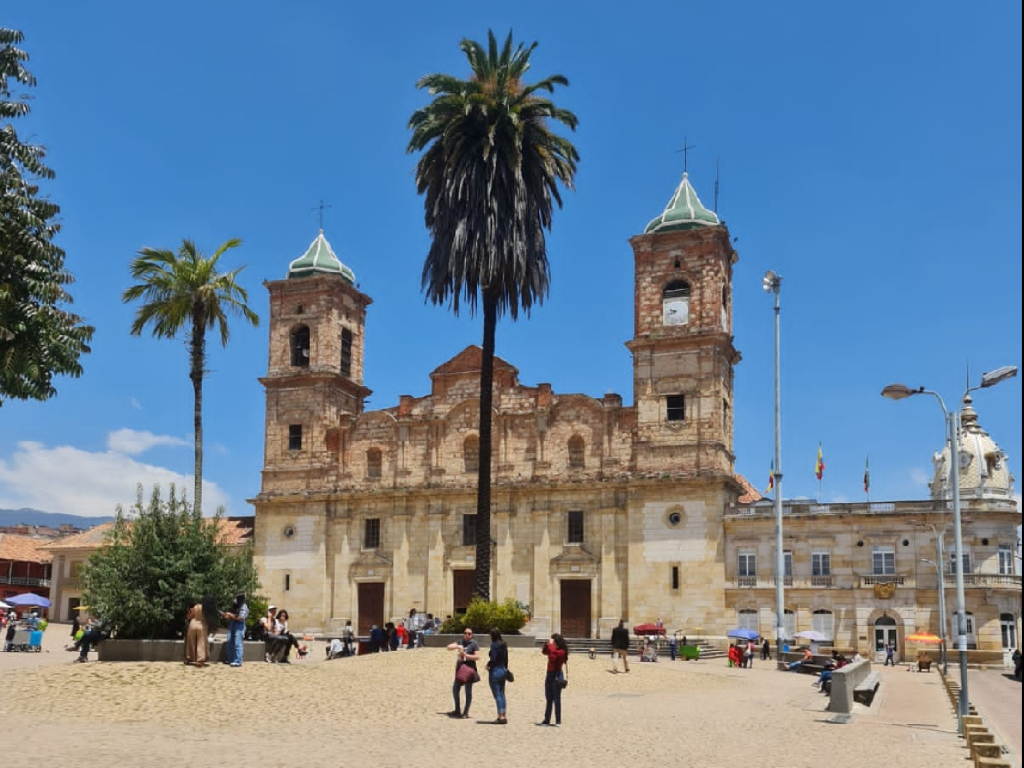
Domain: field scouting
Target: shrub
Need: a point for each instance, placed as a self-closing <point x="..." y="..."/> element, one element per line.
<point x="481" y="616"/>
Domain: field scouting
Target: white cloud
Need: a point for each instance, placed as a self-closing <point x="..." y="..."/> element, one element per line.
<point x="135" y="404"/>
<point x="77" y="482"/>
<point x="133" y="442"/>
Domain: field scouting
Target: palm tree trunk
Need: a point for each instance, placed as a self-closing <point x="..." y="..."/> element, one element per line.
<point x="482" y="578"/>
<point x="198" y="357"/>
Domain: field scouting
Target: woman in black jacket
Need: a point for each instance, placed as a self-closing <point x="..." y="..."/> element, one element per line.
<point x="497" y="669"/>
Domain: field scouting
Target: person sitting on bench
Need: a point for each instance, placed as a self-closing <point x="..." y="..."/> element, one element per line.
<point x="807" y="659"/>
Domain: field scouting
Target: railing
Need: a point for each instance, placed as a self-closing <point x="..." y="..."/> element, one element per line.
<point x="786" y="580"/>
<point x="72" y="582"/>
<point x="746" y="581"/>
<point x="986" y="580"/>
<point x="24" y="581"/>
<point x="882" y="578"/>
<point x="821" y="581"/>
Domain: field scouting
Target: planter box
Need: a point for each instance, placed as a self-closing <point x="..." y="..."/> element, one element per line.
<point x="513" y="641"/>
<point x="169" y="650"/>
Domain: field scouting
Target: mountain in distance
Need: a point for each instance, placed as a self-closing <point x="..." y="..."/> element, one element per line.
<point x="28" y="516"/>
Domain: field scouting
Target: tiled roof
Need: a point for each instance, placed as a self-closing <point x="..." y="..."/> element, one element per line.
<point x="234" y="531"/>
<point x="23" y="549"/>
<point x="750" y="493"/>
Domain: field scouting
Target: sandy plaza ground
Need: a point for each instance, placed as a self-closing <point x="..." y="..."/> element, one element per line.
<point x="391" y="707"/>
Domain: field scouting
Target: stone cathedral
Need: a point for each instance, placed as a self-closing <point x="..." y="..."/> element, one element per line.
<point x="600" y="510"/>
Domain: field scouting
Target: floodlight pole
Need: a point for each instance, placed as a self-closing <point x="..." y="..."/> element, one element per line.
<point x="772" y="283"/>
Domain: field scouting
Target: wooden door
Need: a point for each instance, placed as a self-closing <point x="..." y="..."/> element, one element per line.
<point x="462" y="590"/>
<point x="371" y="606"/>
<point x="576" y="608"/>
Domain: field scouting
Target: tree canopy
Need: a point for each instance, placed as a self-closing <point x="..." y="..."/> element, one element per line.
<point x="182" y="290"/>
<point x="490" y="174"/>
<point x="159" y="557"/>
<point x="39" y="338"/>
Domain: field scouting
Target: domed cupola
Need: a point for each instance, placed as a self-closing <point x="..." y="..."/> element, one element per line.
<point x="319" y="259"/>
<point x="684" y="211"/>
<point x="983" y="469"/>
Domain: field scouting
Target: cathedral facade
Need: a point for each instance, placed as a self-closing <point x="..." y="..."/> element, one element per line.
<point x="600" y="510"/>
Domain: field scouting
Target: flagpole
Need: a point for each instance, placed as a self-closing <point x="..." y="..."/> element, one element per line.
<point x="772" y="283"/>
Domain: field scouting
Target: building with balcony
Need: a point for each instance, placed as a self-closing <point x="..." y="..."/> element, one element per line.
<point x="24" y="566"/>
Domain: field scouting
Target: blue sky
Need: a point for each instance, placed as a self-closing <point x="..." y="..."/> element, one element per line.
<point x="869" y="154"/>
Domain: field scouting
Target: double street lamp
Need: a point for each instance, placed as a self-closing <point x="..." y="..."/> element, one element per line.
<point x="772" y="283"/>
<point x="952" y="419"/>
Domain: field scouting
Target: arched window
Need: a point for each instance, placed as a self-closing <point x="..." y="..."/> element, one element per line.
<point x="374" y="463"/>
<point x="471" y="453"/>
<point x="300" y="346"/>
<point x="577" y="452"/>
<point x="747" y="619"/>
<point x="675" y="303"/>
<point x="346" y="352"/>
<point x="824" y="622"/>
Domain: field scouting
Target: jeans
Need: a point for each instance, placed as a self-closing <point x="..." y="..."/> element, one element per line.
<point x="552" y="696"/>
<point x="469" y="696"/>
<point x="498" y="691"/>
<point x="236" y="630"/>
<point x="90" y="638"/>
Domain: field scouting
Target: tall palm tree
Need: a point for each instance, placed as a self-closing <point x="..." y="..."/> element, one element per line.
<point x="183" y="289"/>
<point x="489" y="171"/>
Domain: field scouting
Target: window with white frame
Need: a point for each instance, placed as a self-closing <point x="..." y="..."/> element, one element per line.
<point x="789" y="622"/>
<point x="747" y="563"/>
<point x="747" y="619"/>
<point x="824" y="622"/>
<point x="951" y="566"/>
<point x="883" y="561"/>
<point x="821" y="563"/>
<point x="1005" y="560"/>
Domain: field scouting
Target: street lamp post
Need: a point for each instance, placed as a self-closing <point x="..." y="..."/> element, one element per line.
<point x="952" y="419"/>
<point x="942" y="605"/>
<point x="772" y="283"/>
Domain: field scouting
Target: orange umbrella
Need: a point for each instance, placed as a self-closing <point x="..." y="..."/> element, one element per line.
<point x="923" y="637"/>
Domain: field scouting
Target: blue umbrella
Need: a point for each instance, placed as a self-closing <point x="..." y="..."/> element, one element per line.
<point x="28" y="599"/>
<point x="745" y="634"/>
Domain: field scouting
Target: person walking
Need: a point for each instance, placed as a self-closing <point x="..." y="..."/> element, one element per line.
<point x="620" y="646"/>
<point x="555" y="680"/>
<point x="465" y="671"/>
<point x="890" y="655"/>
<point x="748" y="655"/>
<point x="497" y="673"/>
<point x="766" y="650"/>
<point x="236" y="629"/>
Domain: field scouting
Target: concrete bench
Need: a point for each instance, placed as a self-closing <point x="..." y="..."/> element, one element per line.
<point x="844" y="684"/>
<point x="864" y="691"/>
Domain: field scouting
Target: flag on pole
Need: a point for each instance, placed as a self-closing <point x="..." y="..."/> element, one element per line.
<point x="819" y="465"/>
<point x="771" y="479"/>
<point x="867" y="475"/>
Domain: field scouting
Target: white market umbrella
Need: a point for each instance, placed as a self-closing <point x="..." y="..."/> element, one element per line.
<point x="812" y="635"/>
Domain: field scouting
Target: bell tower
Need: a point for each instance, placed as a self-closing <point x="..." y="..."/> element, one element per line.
<point x="682" y="345"/>
<point x="315" y="371"/>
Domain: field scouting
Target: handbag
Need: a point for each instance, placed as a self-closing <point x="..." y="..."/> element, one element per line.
<point x="562" y="681"/>
<point x="509" y="677"/>
<point x="465" y="675"/>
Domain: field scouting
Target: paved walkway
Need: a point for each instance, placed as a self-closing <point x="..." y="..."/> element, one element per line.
<point x="997" y="695"/>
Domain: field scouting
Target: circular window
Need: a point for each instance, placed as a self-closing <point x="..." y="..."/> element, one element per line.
<point x="674" y="518"/>
<point x="289" y="531"/>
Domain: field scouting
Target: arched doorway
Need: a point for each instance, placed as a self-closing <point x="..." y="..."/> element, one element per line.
<point x="885" y="635"/>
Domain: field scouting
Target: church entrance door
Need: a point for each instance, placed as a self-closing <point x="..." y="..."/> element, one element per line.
<point x="576" y="608"/>
<point x="462" y="589"/>
<point x="371" y="606"/>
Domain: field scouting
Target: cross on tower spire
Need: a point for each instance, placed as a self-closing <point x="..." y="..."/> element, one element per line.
<point x="685" y="149"/>
<point x="320" y="208"/>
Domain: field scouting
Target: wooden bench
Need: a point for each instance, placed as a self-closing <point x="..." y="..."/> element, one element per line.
<point x="864" y="691"/>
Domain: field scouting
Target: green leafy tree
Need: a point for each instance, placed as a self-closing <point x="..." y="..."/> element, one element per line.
<point x="184" y="290"/>
<point x="490" y="173"/>
<point x="38" y="338"/>
<point x="158" y="557"/>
